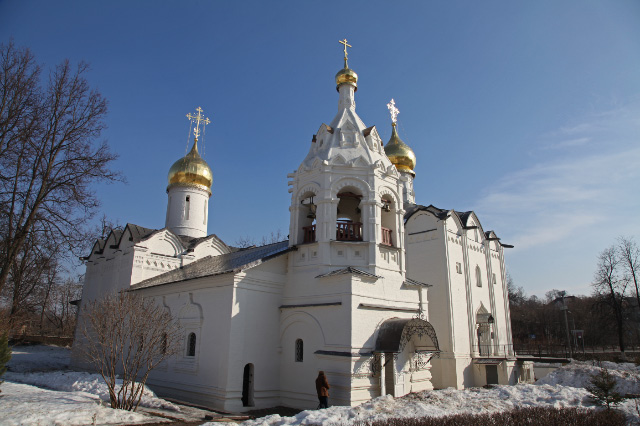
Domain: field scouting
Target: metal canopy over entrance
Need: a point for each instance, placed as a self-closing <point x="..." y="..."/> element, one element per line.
<point x="395" y="333"/>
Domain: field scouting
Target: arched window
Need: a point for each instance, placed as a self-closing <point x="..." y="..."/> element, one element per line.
<point x="191" y="344"/>
<point x="388" y="221"/>
<point x="478" y="277"/>
<point x="349" y="215"/>
<point x="299" y="350"/>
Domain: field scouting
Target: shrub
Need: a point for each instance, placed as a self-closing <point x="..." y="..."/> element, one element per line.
<point x="5" y="354"/>
<point x="602" y="389"/>
<point x="534" y="416"/>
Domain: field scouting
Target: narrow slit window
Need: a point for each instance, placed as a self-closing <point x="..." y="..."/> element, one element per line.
<point x="299" y="350"/>
<point x="478" y="277"/>
<point x="187" y="207"/>
<point x="204" y="221"/>
<point x="191" y="346"/>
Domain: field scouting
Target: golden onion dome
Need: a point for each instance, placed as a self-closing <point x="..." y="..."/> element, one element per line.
<point x="346" y="75"/>
<point x="399" y="153"/>
<point x="191" y="170"/>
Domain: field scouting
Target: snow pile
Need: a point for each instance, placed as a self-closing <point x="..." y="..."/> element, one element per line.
<point x="562" y="388"/>
<point x="436" y="404"/>
<point x="578" y="375"/>
<point x="38" y="358"/>
<point x="26" y="405"/>
<point x="75" y="381"/>
<point x="37" y="365"/>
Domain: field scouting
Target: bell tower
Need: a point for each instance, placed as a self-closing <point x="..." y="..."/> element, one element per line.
<point x="189" y="188"/>
<point x="347" y="197"/>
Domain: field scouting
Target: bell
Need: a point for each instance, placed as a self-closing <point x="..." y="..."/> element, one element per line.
<point x="386" y="207"/>
<point x="312" y="211"/>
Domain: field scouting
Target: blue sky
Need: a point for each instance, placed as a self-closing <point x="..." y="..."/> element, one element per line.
<point x="526" y="112"/>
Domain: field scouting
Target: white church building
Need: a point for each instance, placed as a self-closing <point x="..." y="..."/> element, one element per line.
<point x="385" y="295"/>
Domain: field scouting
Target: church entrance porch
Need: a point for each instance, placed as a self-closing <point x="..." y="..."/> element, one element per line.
<point x="405" y="348"/>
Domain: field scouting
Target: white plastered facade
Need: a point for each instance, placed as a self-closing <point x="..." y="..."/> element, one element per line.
<point x="364" y="290"/>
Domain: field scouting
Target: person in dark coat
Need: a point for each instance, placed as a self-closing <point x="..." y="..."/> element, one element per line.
<point x="322" y="387"/>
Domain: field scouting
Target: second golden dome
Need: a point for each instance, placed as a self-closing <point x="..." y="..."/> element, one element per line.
<point x="400" y="154"/>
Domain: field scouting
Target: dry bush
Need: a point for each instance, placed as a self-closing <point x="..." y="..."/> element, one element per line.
<point x="128" y="336"/>
<point x="534" y="416"/>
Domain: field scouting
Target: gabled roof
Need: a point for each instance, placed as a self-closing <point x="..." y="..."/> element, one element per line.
<point x="414" y="208"/>
<point x="444" y="214"/>
<point x="348" y="270"/>
<point x="139" y="234"/>
<point x="235" y="262"/>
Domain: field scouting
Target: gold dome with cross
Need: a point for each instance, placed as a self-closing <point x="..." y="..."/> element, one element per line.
<point x="346" y="74"/>
<point x="399" y="153"/>
<point x="192" y="169"/>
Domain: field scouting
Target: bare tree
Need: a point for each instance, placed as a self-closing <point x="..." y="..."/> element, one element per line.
<point x="612" y="286"/>
<point x="59" y="311"/>
<point x="32" y="273"/>
<point x="273" y="237"/>
<point x="126" y="335"/>
<point x="629" y="255"/>
<point x="49" y="155"/>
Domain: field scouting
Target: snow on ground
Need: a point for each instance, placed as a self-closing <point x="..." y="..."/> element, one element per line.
<point x="38" y="358"/>
<point x="563" y="388"/>
<point x="77" y="381"/>
<point x="69" y="397"/>
<point x="578" y="375"/>
<point x="28" y="405"/>
<point x="75" y="398"/>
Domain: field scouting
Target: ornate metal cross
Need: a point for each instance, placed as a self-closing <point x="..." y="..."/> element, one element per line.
<point x="345" y="49"/>
<point x="199" y="118"/>
<point x="393" y="111"/>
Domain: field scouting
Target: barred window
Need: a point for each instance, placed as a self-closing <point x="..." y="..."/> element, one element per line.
<point x="299" y="350"/>
<point x="191" y="346"/>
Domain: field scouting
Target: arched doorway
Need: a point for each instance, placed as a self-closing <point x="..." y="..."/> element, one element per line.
<point x="407" y="346"/>
<point x="484" y="324"/>
<point x="247" y="386"/>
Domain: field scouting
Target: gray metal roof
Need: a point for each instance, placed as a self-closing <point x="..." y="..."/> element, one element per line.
<point x="409" y="281"/>
<point x="216" y="265"/>
<point x="348" y="270"/>
<point x="395" y="333"/>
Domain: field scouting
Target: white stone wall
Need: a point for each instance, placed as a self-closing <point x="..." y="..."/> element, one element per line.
<point x="446" y="255"/>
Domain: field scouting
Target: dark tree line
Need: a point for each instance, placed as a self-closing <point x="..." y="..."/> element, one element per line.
<point x="50" y="158"/>
<point x="610" y="316"/>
